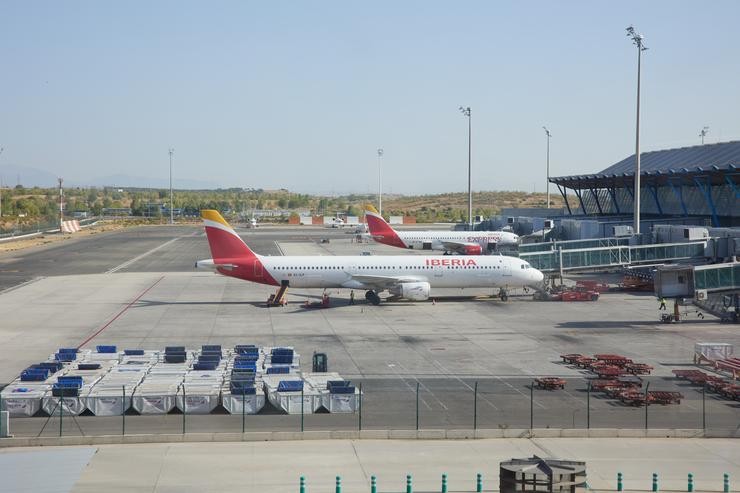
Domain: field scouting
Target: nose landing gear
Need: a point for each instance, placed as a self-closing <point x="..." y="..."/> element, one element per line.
<point x="503" y="294"/>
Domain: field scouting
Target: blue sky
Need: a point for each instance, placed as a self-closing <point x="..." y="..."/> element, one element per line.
<point x="301" y="94"/>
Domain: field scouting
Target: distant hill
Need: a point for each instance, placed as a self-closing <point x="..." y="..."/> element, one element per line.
<point x="491" y="201"/>
<point x="125" y="181"/>
<point x="27" y="176"/>
<point x="12" y="175"/>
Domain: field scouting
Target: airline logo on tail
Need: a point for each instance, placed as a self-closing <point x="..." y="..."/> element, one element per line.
<point x="380" y="230"/>
<point x="223" y="240"/>
<point x="231" y="256"/>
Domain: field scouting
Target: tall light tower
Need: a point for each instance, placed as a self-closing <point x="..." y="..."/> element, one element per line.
<point x="380" y="182"/>
<point x="172" y="204"/>
<point x="547" y="184"/>
<point x="466" y="111"/>
<point x="702" y="134"/>
<point x="61" y="205"/>
<point x="638" y="40"/>
<point x="1" y="187"/>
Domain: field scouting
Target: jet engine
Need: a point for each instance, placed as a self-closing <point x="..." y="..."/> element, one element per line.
<point x="473" y="250"/>
<point x="416" y="291"/>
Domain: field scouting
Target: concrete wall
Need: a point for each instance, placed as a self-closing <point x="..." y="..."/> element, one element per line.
<point x="372" y="435"/>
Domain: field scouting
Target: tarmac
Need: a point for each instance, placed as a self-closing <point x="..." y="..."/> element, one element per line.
<point x="445" y="347"/>
<point x="276" y="466"/>
<point x="137" y="289"/>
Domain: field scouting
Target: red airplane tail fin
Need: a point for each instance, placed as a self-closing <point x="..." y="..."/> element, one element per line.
<point x="223" y="240"/>
<point x="380" y="230"/>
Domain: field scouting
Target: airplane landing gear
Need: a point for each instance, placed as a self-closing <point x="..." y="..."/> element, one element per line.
<point x="503" y="294"/>
<point x="372" y="297"/>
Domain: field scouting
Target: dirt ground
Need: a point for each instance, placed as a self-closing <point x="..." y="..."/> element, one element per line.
<point x="101" y="227"/>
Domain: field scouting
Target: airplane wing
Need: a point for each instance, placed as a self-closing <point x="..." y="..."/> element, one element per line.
<point x="385" y="282"/>
<point x="462" y="247"/>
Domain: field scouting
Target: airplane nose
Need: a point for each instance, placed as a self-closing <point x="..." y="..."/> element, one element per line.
<point x="538" y="276"/>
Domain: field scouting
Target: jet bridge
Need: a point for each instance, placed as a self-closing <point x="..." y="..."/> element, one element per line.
<point x="562" y="257"/>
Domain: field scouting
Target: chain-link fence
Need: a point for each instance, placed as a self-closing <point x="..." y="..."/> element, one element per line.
<point x="423" y="403"/>
<point x="38" y="226"/>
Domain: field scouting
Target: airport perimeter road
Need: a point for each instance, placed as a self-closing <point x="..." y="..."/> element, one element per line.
<point x="268" y="467"/>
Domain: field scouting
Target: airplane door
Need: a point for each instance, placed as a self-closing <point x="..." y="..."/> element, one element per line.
<point x="507" y="269"/>
<point x="437" y="271"/>
<point x="427" y="245"/>
<point x="258" y="270"/>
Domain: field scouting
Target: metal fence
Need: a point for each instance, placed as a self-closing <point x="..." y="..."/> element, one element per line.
<point x="39" y="226"/>
<point x="430" y="403"/>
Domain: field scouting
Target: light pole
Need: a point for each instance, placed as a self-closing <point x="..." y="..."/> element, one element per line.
<point x="466" y="111"/>
<point x="380" y="182"/>
<point x="172" y="205"/>
<point x="1" y="187"/>
<point x="637" y="39"/>
<point x="702" y="134"/>
<point x="61" y="205"/>
<point x="547" y="184"/>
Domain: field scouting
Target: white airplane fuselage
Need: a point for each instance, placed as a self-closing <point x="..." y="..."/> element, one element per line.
<point x="347" y="271"/>
<point x="434" y="240"/>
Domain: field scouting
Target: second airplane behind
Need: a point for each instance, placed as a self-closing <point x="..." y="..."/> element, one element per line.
<point x="460" y="242"/>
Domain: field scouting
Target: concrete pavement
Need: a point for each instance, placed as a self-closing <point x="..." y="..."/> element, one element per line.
<point x="268" y="467"/>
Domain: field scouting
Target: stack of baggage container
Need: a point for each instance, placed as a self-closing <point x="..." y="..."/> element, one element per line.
<point x="156" y="394"/>
<point x="111" y="396"/>
<point x="81" y="371"/>
<point x="337" y="395"/>
<point x="201" y="386"/>
<point x="291" y="394"/>
<point x="281" y="360"/>
<point x="22" y="397"/>
<point x="242" y="390"/>
<point x="108" y="382"/>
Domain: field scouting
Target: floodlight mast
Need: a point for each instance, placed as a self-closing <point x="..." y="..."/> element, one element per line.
<point x="1" y="187"/>
<point x="172" y="205"/>
<point x="637" y="40"/>
<point x="703" y="133"/>
<point x="380" y="182"/>
<point x="466" y="111"/>
<point x="549" y="135"/>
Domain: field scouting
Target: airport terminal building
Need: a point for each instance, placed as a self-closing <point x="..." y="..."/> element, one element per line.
<point x="693" y="185"/>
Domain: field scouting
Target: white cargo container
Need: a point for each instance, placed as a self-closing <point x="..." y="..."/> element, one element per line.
<point x="106" y="398"/>
<point x="70" y="406"/>
<point x="155" y="397"/>
<point x="249" y="404"/>
<point x="23" y="398"/>
<point x="198" y="398"/>
<point x="334" y="403"/>
<point x="290" y="401"/>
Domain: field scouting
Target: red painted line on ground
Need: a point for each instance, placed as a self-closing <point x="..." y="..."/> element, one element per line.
<point x="101" y="329"/>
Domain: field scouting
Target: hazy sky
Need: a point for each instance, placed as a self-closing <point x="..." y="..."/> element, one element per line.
<point x="301" y="94"/>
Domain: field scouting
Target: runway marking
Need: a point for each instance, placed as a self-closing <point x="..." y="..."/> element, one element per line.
<point x="18" y="286"/>
<point x="101" y="329"/>
<point x="136" y="259"/>
<point x="277" y="245"/>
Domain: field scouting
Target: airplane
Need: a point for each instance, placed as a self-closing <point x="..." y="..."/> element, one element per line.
<point x="461" y="242"/>
<point x="404" y="276"/>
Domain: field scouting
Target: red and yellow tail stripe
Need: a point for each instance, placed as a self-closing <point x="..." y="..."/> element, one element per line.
<point x="223" y="240"/>
<point x="380" y="230"/>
